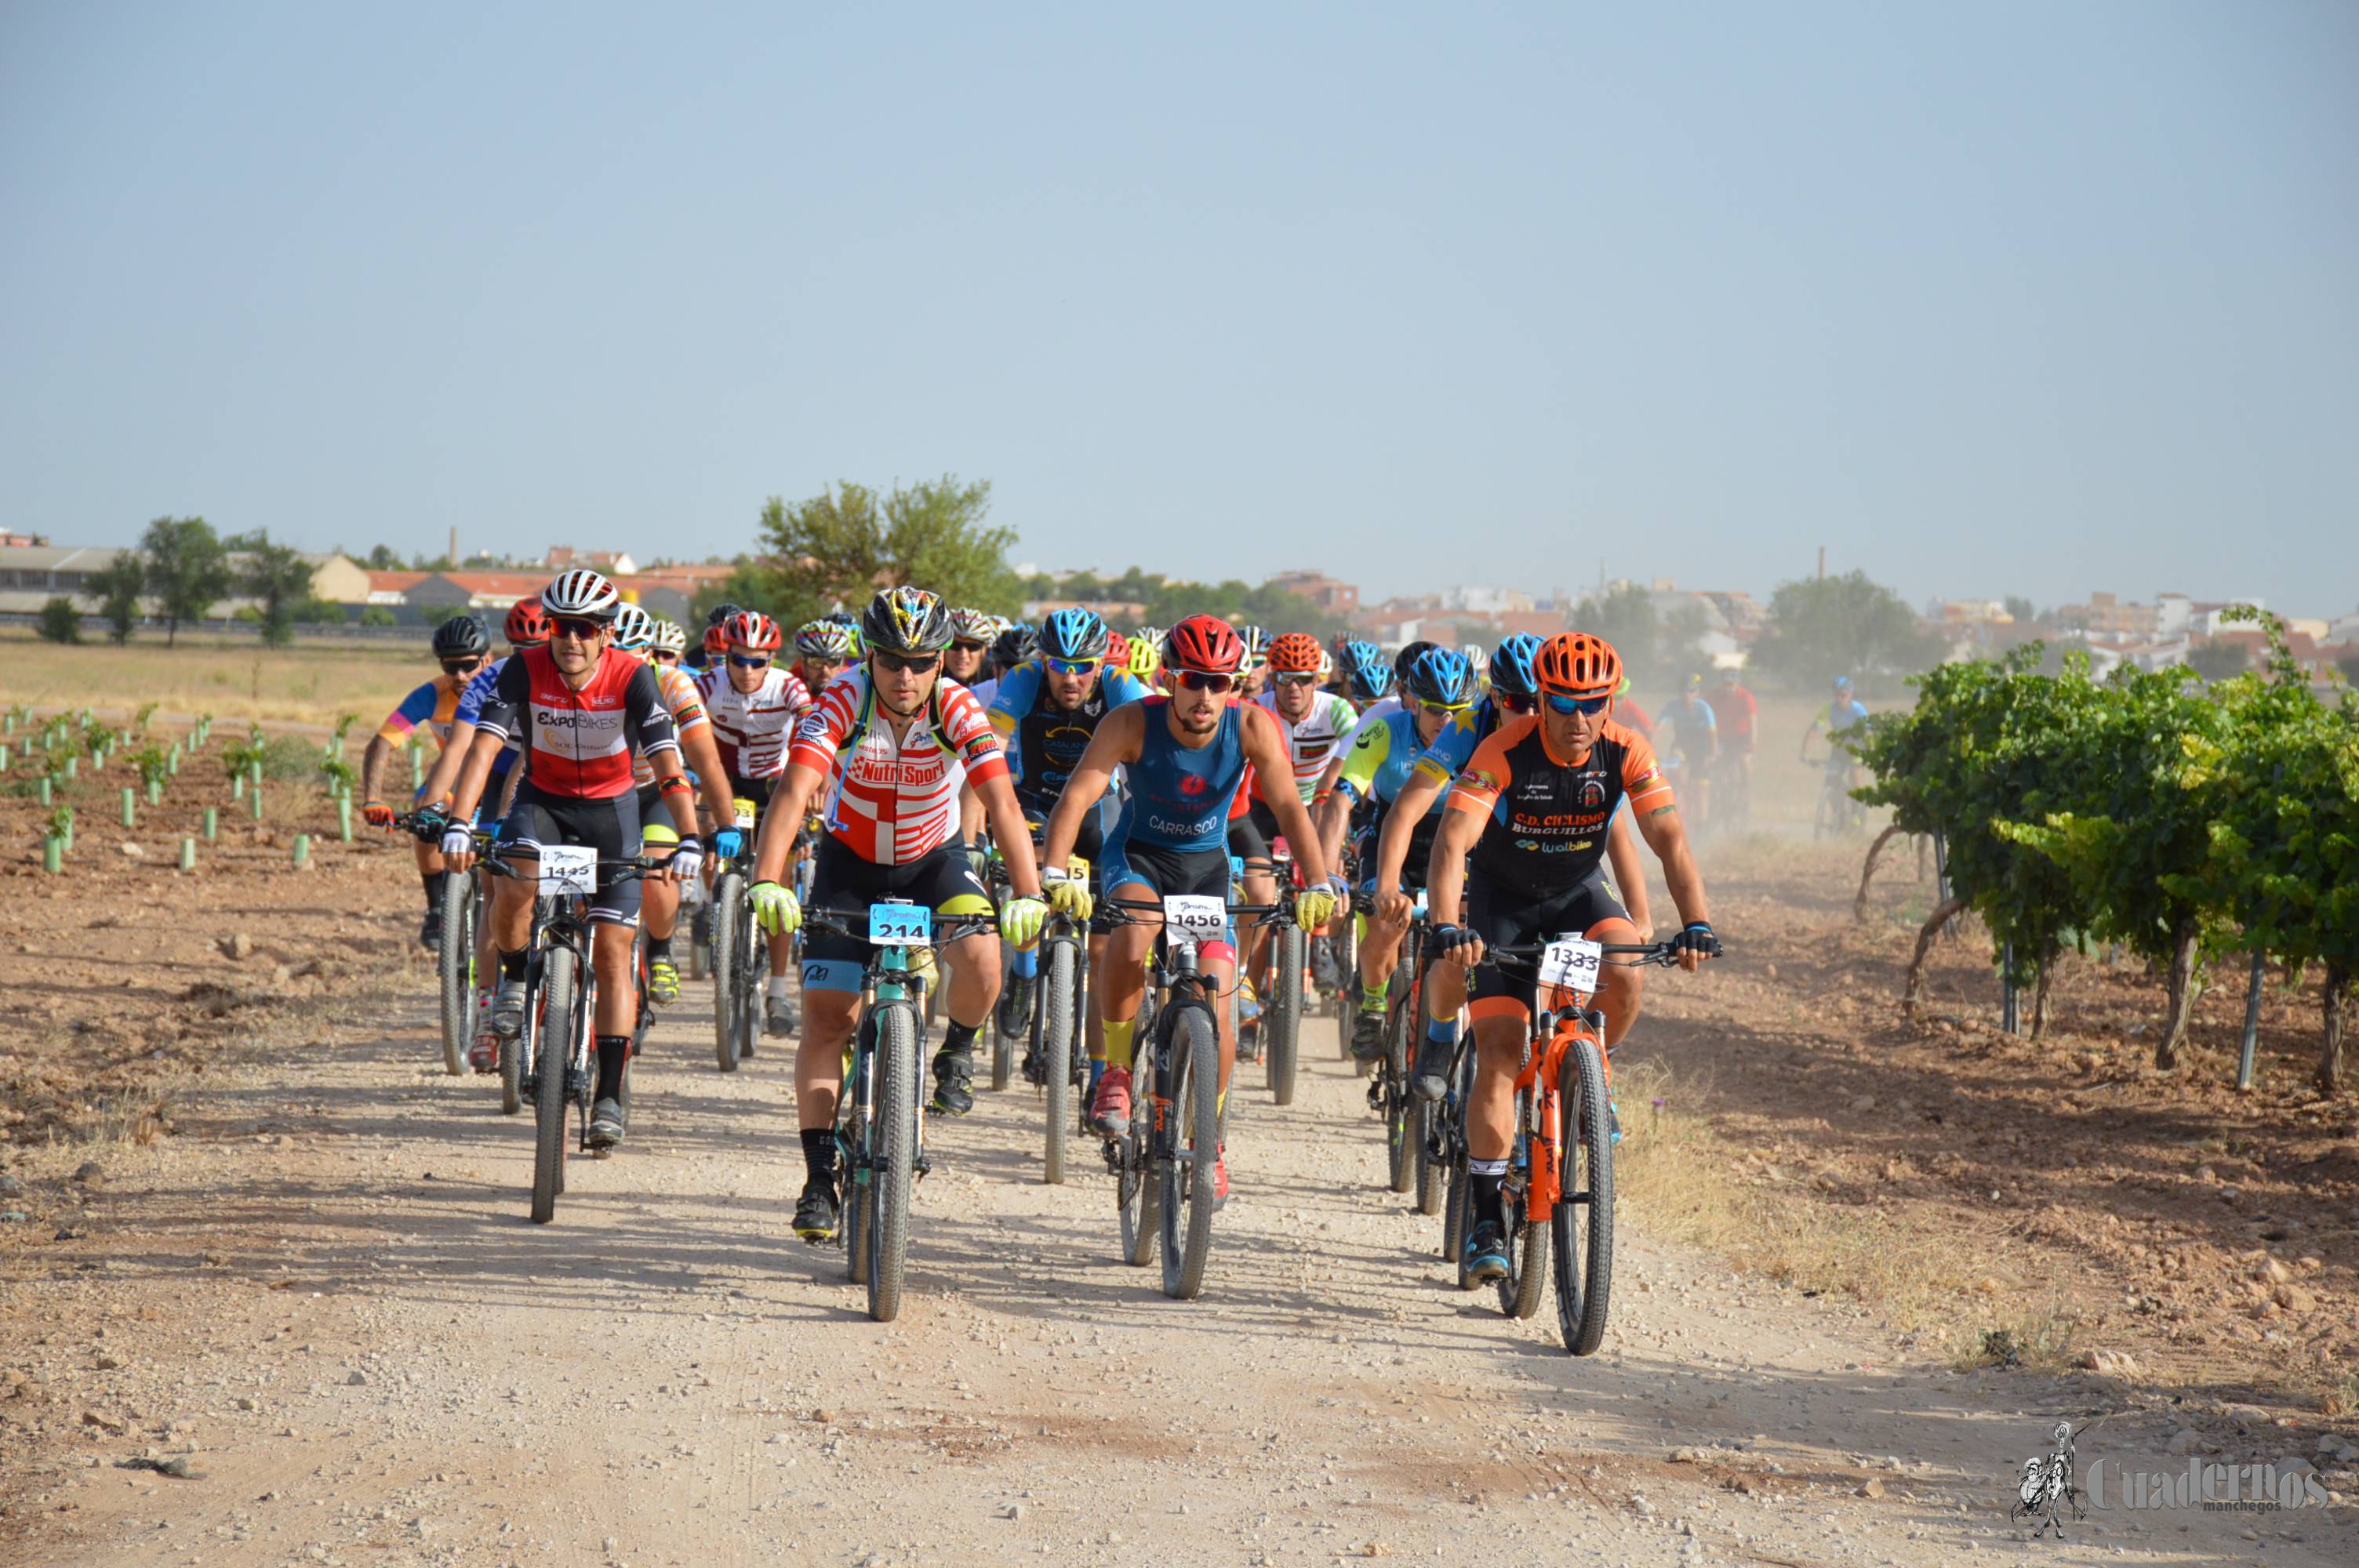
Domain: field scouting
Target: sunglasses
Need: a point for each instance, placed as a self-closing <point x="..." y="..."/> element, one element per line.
<point x="965" y="647"/>
<point x="1070" y="666"/>
<point x="1444" y="710"/>
<point x="904" y="667"/>
<point x="664" y="656"/>
<point x="1298" y="678"/>
<point x="580" y="628"/>
<point x="1569" y="706"/>
<point x="461" y="666"/>
<point x="750" y="660"/>
<point x="1197" y="680"/>
<point x="824" y="661"/>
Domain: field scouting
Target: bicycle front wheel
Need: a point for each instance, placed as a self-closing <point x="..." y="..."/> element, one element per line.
<point x="1527" y="1244"/>
<point x="1007" y="1026"/>
<point x="1281" y="1019"/>
<point x="1584" y="1222"/>
<point x="454" y="969"/>
<point x="1400" y="1123"/>
<point x="728" y="958"/>
<point x="1189" y="1152"/>
<point x="892" y="1171"/>
<point x="1052" y="1020"/>
<point x="550" y="1019"/>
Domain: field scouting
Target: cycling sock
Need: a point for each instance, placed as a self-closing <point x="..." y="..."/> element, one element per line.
<point x="1118" y="1032"/>
<point x="614" y="1050"/>
<point x="434" y="881"/>
<point x="511" y="966"/>
<point x="1442" y="1031"/>
<point x="1027" y="962"/>
<point x="658" y="948"/>
<point x="819" y="1155"/>
<point x="1371" y="998"/>
<point x="960" y="1037"/>
<point x="779" y="987"/>
<point x="1486" y="1176"/>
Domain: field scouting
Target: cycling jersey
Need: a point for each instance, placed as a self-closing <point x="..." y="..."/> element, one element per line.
<point x="1382" y="759"/>
<point x="470" y="710"/>
<point x="1044" y="742"/>
<point x="579" y="744"/>
<point x="1630" y="716"/>
<point x="431" y="705"/>
<point x="1314" y="739"/>
<point x="892" y="798"/>
<point x="684" y="702"/>
<point x="1548" y="814"/>
<point x="1455" y="747"/>
<point x="1737" y="712"/>
<point x="754" y="727"/>
<point x="1180" y="795"/>
<point x="1686" y="723"/>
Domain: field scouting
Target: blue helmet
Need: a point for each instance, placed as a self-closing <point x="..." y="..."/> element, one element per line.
<point x="1511" y="666"/>
<point x="1073" y="634"/>
<point x="1441" y="676"/>
<point x="1365" y="666"/>
<point x="1843" y="683"/>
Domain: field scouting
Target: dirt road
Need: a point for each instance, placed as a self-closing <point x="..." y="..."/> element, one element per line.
<point x="323" y="1294"/>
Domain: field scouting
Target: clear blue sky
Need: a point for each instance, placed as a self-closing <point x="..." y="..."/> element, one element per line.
<point x="2027" y="298"/>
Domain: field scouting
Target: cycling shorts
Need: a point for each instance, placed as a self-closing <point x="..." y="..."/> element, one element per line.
<point x="1147" y="873"/>
<point x="1251" y="836"/>
<point x="1506" y="916"/>
<point x="609" y="824"/>
<point x="942" y="879"/>
<point x="1418" y="858"/>
<point x="658" y="825"/>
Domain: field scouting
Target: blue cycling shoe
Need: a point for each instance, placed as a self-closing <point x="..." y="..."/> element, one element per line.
<point x="1486" y="1252"/>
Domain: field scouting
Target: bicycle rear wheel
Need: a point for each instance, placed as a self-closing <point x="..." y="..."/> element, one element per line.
<point x="728" y="958"/>
<point x="1400" y="1121"/>
<point x="1583" y="1221"/>
<point x="1007" y="1026"/>
<point x="1052" y="1023"/>
<point x="1281" y="1017"/>
<point x="893" y="1170"/>
<point x="1527" y="1244"/>
<point x="550" y="1019"/>
<point x="1190" y="1150"/>
<point x="454" y="969"/>
<point x="1456" y="1216"/>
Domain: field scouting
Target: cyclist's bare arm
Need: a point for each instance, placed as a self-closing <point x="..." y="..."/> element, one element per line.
<point x="701" y="754"/>
<point x="1445" y="875"/>
<point x="445" y="775"/>
<point x="1407" y="809"/>
<point x="473" y="774"/>
<point x="783" y="822"/>
<point x="971" y="814"/>
<point x="1666" y="835"/>
<point x="1011" y="833"/>
<point x="372" y="762"/>
<point x="1630" y="872"/>
<point x="1274" y="781"/>
<point x="1327" y="819"/>
<point x="1117" y="740"/>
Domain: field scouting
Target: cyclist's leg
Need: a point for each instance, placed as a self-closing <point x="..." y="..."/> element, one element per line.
<point x="658" y="901"/>
<point x="833" y="965"/>
<point x="1118" y="984"/>
<point x="1249" y="840"/>
<point x="612" y="827"/>
<point x="945" y="881"/>
<point x="528" y="824"/>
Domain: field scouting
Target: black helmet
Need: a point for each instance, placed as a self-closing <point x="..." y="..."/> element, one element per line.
<point x="906" y="621"/>
<point x="1014" y="645"/>
<point x="721" y="613"/>
<point x="461" y="637"/>
<point x="1405" y="661"/>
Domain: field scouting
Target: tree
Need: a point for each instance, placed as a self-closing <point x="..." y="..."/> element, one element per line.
<point x="2021" y="610"/>
<point x="1823" y="627"/>
<point x="117" y="586"/>
<point x="2349" y="664"/>
<point x="187" y="569"/>
<point x="378" y="615"/>
<point x="1659" y="651"/>
<point x="840" y="546"/>
<point x="280" y="581"/>
<point x="2218" y="661"/>
<point x="382" y="560"/>
<point x="59" y="620"/>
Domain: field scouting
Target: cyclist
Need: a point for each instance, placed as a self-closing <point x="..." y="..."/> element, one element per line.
<point x="1185" y="753"/>
<point x="462" y="644"/>
<point x="756" y="702"/>
<point x="1440" y="687"/>
<point x="713" y="644"/>
<point x="637" y="632"/>
<point x="1738" y="716"/>
<point x="1251" y="684"/>
<point x="1045" y="713"/>
<point x="1146" y="657"/>
<point x="1012" y="648"/>
<point x="1843" y="711"/>
<point x="1690" y="736"/>
<point x="1533" y="807"/>
<point x="1313" y="724"/>
<point x="823" y="650"/>
<point x="670" y="644"/>
<point x="892" y="743"/>
<point x="1365" y="678"/>
<point x="582" y="712"/>
<point x="971" y="635"/>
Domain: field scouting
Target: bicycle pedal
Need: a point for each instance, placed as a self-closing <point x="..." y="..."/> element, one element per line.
<point x="921" y="1164"/>
<point x="1375" y="1094"/>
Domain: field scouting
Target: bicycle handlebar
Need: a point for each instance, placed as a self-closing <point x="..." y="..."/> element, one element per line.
<point x="841" y="921"/>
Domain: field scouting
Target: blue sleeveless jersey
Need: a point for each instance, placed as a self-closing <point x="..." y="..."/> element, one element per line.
<point x="1179" y="797"/>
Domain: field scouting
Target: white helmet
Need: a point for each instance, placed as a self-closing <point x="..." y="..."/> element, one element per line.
<point x="584" y="593"/>
<point x="671" y="637"/>
<point x="634" y="629"/>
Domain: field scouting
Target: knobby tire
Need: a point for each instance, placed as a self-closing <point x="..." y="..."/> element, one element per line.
<point x="1584" y="1231"/>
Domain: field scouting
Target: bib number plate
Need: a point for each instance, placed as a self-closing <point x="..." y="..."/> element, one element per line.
<point x="569" y="869"/>
<point x="744" y="816"/>
<point x="895" y="924"/>
<point x="1196" y="918"/>
<point x="1569" y="961"/>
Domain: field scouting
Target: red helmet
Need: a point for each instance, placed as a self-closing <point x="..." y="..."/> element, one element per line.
<point x="750" y="629"/>
<point x="1574" y="664"/>
<point x="528" y="624"/>
<point x="1205" y="643"/>
<point x="1117" y="654"/>
<point x="1295" y="653"/>
<point x="716" y="639"/>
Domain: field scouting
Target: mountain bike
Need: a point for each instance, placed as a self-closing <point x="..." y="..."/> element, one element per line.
<point x="741" y="958"/>
<point x="881" y="1113"/>
<point x="1836" y="813"/>
<point x="1055" y="1061"/>
<point x="555" y="1051"/>
<point x="1560" y="1181"/>
<point x="1164" y="1166"/>
<point x="455" y="957"/>
<point x="1407" y="1120"/>
<point x="1281" y="1004"/>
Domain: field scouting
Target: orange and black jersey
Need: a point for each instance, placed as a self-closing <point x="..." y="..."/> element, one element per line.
<point x="1549" y="815"/>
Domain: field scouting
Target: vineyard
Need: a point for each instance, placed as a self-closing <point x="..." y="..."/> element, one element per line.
<point x="2179" y="823"/>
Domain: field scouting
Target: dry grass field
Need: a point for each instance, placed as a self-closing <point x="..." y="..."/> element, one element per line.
<point x="310" y="683"/>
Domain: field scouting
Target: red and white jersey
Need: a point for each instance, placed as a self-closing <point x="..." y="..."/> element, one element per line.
<point x="754" y="726"/>
<point x="1314" y="739"/>
<point x="580" y="743"/>
<point x="685" y="704"/>
<point x="893" y="797"/>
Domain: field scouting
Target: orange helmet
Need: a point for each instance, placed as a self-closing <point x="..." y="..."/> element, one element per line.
<point x="1574" y="664"/>
<point x="1295" y="653"/>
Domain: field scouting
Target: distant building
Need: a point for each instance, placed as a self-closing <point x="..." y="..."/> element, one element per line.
<point x="613" y="563"/>
<point x="1334" y="596"/>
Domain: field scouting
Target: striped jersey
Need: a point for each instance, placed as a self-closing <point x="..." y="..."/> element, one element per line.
<point x="893" y="798"/>
<point x="754" y="727"/>
<point x="686" y="704"/>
